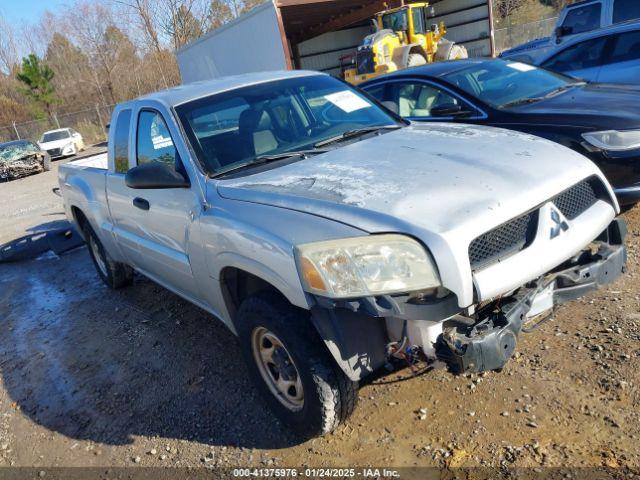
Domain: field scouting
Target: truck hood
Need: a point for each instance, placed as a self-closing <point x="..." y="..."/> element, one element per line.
<point x="435" y="179"/>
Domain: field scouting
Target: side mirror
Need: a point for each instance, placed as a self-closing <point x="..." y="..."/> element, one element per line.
<point x="450" y="110"/>
<point x="563" y="31"/>
<point x="155" y="175"/>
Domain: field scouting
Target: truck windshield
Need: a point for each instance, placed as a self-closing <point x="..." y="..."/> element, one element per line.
<point x="503" y="84"/>
<point x="235" y="128"/>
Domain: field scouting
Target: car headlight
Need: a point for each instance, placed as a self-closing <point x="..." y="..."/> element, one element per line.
<point x="614" y="140"/>
<point x="365" y="266"/>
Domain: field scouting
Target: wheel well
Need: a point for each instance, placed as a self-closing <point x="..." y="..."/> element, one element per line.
<point x="238" y="284"/>
<point x="80" y="218"/>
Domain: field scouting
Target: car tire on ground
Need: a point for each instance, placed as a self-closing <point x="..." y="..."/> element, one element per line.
<point x="291" y="367"/>
<point x="46" y="163"/>
<point x="114" y="274"/>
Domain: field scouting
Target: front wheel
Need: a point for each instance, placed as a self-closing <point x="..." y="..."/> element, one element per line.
<point x="46" y="163"/>
<point x="416" y="60"/>
<point x="290" y="366"/>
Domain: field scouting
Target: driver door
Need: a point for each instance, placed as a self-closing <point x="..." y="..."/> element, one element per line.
<point x="154" y="225"/>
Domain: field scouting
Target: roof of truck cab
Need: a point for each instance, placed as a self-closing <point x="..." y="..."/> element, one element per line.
<point x="192" y="91"/>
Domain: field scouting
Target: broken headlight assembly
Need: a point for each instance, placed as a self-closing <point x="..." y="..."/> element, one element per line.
<point x="365" y="266"/>
<point x="614" y="140"/>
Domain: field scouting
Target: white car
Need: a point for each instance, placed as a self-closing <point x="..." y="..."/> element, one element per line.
<point x="61" y="142"/>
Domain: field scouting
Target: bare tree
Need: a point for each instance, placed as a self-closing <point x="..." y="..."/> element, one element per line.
<point x="8" y="48"/>
<point x="146" y="15"/>
<point x="505" y="8"/>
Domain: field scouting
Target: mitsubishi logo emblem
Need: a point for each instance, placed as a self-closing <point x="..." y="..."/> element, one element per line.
<point x="559" y="225"/>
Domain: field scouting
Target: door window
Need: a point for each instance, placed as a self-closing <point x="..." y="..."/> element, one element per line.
<point x="583" y="19"/>
<point x="417" y="14"/>
<point x="583" y="55"/>
<point x="154" y="143"/>
<point x="627" y="48"/>
<point x="121" y="141"/>
<point x="624" y="10"/>
<point x="417" y="99"/>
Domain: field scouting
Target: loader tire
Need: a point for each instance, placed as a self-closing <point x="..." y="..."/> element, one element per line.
<point x="458" y="52"/>
<point x="114" y="274"/>
<point x="416" y="60"/>
<point x="279" y="343"/>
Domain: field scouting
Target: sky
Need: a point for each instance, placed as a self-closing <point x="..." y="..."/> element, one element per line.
<point x="28" y="10"/>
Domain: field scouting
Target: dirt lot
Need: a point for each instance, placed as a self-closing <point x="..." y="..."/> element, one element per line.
<point x="138" y="377"/>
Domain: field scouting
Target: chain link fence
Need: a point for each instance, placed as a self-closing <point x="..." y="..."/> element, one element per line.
<point x="514" y="35"/>
<point x="91" y="124"/>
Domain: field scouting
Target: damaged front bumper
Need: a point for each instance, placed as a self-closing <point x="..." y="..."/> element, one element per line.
<point x="488" y="340"/>
<point x="360" y="333"/>
<point x="22" y="167"/>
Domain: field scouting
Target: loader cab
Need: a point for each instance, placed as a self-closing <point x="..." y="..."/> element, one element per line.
<point x="410" y="21"/>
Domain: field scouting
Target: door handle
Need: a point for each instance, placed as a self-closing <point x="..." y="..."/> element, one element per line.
<point x="141" y="203"/>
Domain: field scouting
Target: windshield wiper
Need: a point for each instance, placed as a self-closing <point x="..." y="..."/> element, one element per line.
<point x="552" y="93"/>
<point x="354" y="133"/>
<point x="264" y="159"/>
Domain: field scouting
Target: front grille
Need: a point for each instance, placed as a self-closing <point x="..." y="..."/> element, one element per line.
<point x="503" y="241"/>
<point x="516" y="235"/>
<point x="55" y="152"/>
<point x="364" y="61"/>
<point x="578" y="198"/>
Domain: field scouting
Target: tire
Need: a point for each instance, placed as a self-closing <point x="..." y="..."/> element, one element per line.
<point x="46" y="163"/>
<point x="114" y="274"/>
<point x="416" y="60"/>
<point x="458" y="52"/>
<point x="328" y="395"/>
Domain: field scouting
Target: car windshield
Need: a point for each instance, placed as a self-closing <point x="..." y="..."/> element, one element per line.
<point x="502" y="84"/>
<point x="10" y="152"/>
<point x="53" y="136"/>
<point x="276" y="119"/>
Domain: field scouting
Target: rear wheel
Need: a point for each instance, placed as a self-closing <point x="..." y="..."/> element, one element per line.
<point x="290" y="366"/>
<point x="113" y="274"/>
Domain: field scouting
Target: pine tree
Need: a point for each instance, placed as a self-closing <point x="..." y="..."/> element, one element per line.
<point x="38" y="87"/>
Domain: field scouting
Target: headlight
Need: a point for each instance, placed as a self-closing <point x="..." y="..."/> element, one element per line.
<point x="365" y="266"/>
<point x="614" y="140"/>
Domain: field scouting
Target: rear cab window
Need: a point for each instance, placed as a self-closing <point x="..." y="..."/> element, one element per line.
<point x="121" y="141"/>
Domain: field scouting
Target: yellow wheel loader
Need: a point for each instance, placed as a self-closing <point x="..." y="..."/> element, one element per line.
<point x="402" y="39"/>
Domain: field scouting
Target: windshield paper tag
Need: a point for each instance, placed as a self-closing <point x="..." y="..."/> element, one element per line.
<point x="348" y="101"/>
<point x="521" y="67"/>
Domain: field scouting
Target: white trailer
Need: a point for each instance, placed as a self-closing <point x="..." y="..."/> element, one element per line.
<point x="315" y="34"/>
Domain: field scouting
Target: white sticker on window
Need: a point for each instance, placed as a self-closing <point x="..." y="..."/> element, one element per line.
<point x="160" y="142"/>
<point x="521" y="67"/>
<point x="348" y="101"/>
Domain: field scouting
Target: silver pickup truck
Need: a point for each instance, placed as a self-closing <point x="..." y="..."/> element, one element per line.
<point x="334" y="238"/>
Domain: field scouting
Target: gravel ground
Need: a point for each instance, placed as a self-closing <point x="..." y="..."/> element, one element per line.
<point x="139" y="377"/>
